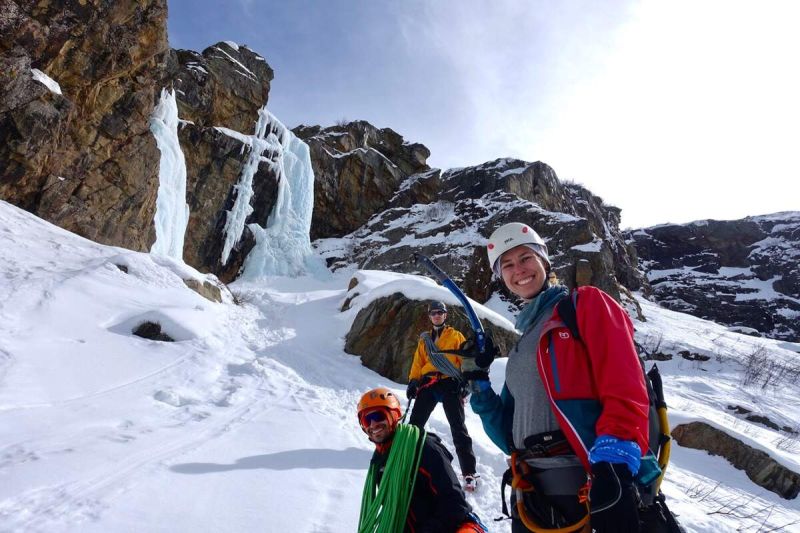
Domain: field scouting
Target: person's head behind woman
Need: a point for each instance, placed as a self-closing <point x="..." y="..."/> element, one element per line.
<point x="518" y="256"/>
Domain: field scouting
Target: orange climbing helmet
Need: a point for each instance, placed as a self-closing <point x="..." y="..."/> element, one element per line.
<point x="381" y="399"/>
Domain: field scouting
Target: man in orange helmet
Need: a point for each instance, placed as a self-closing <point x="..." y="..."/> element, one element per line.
<point x="437" y="501"/>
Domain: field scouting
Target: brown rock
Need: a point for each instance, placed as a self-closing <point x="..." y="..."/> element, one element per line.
<point x="762" y="469"/>
<point x="583" y="273"/>
<point x="206" y="289"/>
<point x="223" y="86"/>
<point x="357" y="170"/>
<point x="214" y="163"/>
<point x="85" y="160"/>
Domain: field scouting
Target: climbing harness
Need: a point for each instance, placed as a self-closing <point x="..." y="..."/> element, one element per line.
<point x="550" y="486"/>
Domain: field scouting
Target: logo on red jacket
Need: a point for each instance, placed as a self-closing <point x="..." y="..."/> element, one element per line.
<point x="563" y="334"/>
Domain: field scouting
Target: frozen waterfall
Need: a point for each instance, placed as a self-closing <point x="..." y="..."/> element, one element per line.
<point x="283" y="246"/>
<point x="172" y="211"/>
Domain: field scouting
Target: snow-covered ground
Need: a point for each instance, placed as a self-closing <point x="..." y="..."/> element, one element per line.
<point x="247" y="423"/>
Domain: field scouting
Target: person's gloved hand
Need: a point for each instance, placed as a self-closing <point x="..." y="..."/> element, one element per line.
<point x="413" y="387"/>
<point x="477" y="377"/>
<point x="613" y="501"/>
<point x="482" y="359"/>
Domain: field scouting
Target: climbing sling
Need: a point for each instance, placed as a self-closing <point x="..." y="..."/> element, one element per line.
<point x="439" y="360"/>
<point x="384" y="507"/>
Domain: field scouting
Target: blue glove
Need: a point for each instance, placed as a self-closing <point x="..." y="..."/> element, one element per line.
<point x="616" y="451"/>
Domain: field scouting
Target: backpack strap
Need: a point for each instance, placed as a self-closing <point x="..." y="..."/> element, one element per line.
<point x="567" y="311"/>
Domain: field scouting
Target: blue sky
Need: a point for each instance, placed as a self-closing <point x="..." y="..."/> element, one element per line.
<point x="673" y="111"/>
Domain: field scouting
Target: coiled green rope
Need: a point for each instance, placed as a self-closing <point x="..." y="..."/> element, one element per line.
<point x="384" y="508"/>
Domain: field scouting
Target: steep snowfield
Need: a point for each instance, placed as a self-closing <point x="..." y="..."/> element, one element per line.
<point x="247" y="423"/>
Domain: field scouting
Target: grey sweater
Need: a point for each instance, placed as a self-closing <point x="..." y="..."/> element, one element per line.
<point x="532" y="412"/>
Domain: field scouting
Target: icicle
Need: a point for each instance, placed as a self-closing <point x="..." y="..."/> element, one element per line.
<point x="172" y="211"/>
<point x="236" y="217"/>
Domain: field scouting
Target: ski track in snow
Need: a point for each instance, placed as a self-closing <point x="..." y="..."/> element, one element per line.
<point x="84" y="499"/>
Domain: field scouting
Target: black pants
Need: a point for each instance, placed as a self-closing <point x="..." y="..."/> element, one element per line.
<point x="446" y="391"/>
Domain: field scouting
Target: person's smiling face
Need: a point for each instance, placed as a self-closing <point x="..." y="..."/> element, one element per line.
<point x="523" y="271"/>
<point x="376" y="424"/>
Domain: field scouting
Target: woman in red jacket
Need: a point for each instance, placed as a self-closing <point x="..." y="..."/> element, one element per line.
<point x="588" y="393"/>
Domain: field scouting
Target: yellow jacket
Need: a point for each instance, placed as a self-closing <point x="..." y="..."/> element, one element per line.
<point x="450" y="339"/>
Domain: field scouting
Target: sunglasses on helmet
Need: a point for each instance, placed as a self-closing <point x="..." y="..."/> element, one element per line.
<point x="437" y="313"/>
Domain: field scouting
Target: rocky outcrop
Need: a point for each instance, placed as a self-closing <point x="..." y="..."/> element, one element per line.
<point x="357" y="169"/>
<point x="208" y="290"/>
<point x="86" y="160"/>
<point x="223" y="86"/>
<point x="83" y="159"/>
<point x="759" y="467"/>
<point x="385" y="334"/>
<point x="450" y="215"/>
<point x="741" y="273"/>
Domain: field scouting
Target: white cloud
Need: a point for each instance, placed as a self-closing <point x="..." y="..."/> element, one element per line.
<point x="697" y="104"/>
<point x="694" y="102"/>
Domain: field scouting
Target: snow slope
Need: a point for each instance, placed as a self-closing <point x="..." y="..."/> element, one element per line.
<point x="247" y="423"/>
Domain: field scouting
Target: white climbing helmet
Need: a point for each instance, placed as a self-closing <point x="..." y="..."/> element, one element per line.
<point x="511" y="235"/>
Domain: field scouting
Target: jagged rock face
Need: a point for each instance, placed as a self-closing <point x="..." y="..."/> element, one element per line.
<point x="224" y="86"/>
<point x="357" y="170"/>
<point x="741" y="273"/>
<point x="759" y="467"/>
<point x="385" y="334"/>
<point x="220" y="90"/>
<point x="84" y="160"/>
<point x="449" y="217"/>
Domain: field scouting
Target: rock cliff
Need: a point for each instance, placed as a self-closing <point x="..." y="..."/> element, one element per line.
<point x="357" y="170"/>
<point x="449" y="216"/>
<point x="741" y="273"/>
<point x="79" y="153"/>
<point x="79" y="84"/>
<point x="220" y="92"/>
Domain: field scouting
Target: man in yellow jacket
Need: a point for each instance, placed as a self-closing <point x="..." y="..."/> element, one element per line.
<point x="429" y="385"/>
